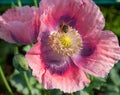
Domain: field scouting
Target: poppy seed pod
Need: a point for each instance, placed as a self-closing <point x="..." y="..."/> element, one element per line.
<point x="20" y="63"/>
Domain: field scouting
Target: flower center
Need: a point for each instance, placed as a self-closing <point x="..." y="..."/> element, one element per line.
<point x="66" y="41"/>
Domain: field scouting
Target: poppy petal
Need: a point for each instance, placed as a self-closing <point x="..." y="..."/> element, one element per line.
<point x="106" y="53"/>
<point x="19" y="21"/>
<point x="84" y="16"/>
<point x="70" y="81"/>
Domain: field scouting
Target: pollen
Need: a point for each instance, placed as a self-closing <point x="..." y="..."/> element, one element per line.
<point x="66" y="41"/>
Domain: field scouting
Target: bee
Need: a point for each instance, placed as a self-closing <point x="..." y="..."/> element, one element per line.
<point x="64" y="27"/>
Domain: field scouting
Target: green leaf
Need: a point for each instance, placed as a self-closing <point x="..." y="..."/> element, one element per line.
<point x="111" y="87"/>
<point x="82" y="92"/>
<point x="96" y="82"/>
<point x="26" y="48"/>
<point x="115" y="77"/>
<point x="55" y="92"/>
<point x="5" y="48"/>
<point x="17" y="80"/>
<point x="112" y="93"/>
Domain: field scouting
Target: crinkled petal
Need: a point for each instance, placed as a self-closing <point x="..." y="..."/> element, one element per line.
<point x="4" y="33"/>
<point x="72" y="80"/>
<point x="20" y="25"/>
<point x="21" y="32"/>
<point x="97" y="59"/>
<point x="83" y="15"/>
<point x="33" y="58"/>
<point x="21" y="14"/>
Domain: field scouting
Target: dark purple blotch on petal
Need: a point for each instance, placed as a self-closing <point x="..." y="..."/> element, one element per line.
<point x="57" y="66"/>
<point x="44" y="37"/>
<point x="68" y="20"/>
<point x="87" y="49"/>
<point x="56" y="63"/>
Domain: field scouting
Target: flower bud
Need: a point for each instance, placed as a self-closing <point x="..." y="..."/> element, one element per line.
<point x="20" y="63"/>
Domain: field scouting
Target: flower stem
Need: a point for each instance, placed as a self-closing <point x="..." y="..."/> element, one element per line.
<point x="24" y="74"/>
<point x="35" y="3"/>
<point x="19" y="3"/>
<point x="5" y="81"/>
<point x="27" y="82"/>
<point x="16" y="51"/>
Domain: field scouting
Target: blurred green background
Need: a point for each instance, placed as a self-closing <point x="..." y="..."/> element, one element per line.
<point x="99" y="86"/>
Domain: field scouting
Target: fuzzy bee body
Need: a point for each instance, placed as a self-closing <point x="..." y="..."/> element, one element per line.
<point x="64" y="27"/>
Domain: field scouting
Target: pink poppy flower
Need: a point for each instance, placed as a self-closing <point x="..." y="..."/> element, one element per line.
<point x="71" y="44"/>
<point x="20" y="25"/>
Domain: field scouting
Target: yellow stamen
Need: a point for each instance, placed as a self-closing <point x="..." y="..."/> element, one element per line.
<point x="66" y="41"/>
